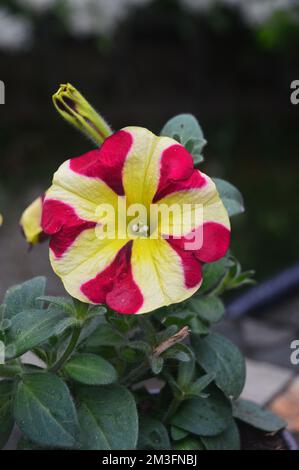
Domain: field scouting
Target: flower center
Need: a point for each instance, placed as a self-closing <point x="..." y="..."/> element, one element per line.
<point x="139" y="229"/>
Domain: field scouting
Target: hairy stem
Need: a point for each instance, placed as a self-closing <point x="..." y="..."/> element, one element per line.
<point x="174" y="404"/>
<point x="69" y="350"/>
<point x="138" y="373"/>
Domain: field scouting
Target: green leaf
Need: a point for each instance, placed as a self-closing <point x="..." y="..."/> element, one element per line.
<point x="140" y="346"/>
<point x="204" y="416"/>
<point x="30" y="328"/>
<point x="6" y="416"/>
<point x="26" y="444"/>
<point x="95" y="311"/>
<point x="108" y="418"/>
<point x="10" y="370"/>
<point x="105" y="335"/>
<point x="186" y="130"/>
<point x="156" y="364"/>
<point x="212" y="274"/>
<point x="44" y="410"/>
<point x="177" y="433"/>
<point x="229" y="439"/>
<point x="199" y="327"/>
<point x="218" y="356"/>
<point x="89" y="326"/>
<point x="231" y="197"/>
<point x="167" y="333"/>
<point x="129" y="354"/>
<point x="243" y="279"/>
<point x="64" y="303"/>
<point x="199" y="385"/>
<point x="90" y="369"/>
<point x="153" y="435"/>
<point x="189" y="443"/>
<point x="252" y="414"/>
<point x="179" y="351"/>
<point x="186" y="373"/>
<point x="24" y="296"/>
<point x="208" y="309"/>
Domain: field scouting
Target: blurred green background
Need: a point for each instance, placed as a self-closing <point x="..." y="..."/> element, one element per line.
<point x="140" y="62"/>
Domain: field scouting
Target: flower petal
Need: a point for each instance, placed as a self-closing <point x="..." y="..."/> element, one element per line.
<point x="30" y="221"/>
<point x="152" y="164"/>
<point x="115" y="285"/>
<point x="106" y="163"/>
<point x="199" y="202"/>
<point x="82" y="193"/>
<point x="164" y="274"/>
<point x="83" y="260"/>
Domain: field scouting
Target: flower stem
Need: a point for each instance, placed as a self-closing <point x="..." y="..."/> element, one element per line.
<point x="174" y="404"/>
<point x="70" y="348"/>
<point x="10" y="370"/>
<point x="137" y="373"/>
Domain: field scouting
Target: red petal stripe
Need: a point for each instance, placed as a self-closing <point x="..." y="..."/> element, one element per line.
<point x="215" y="242"/>
<point x="190" y="264"/>
<point x="115" y="285"/>
<point x="106" y="162"/>
<point x="61" y="221"/>
<point x="177" y="172"/>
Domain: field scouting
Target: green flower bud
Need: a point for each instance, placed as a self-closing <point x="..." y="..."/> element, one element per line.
<point x="77" y="111"/>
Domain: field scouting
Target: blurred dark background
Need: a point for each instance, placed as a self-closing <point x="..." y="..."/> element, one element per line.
<point x="230" y="63"/>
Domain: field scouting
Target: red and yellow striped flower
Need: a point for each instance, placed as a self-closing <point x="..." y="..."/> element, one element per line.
<point x="131" y="274"/>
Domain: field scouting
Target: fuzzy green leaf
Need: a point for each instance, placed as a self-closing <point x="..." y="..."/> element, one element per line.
<point x="44" y="410"/>
<point x="24" y="296"/>
<point x="189" y="443"/>
<point x="108" y="418"/>
<point x="253" y="414"/>
<point x="177" y="433"/>
<point x="6" y="416"/>
<point x="30" y="328"/>
<point x="186" y="373"/>
<point x="204" y="416"/>
<point x="197" y="387"/>
<point x="64" y="303"/>
<point x="186" y="130"/>
<point x="218" y="356"/>
<point x="90" y="369"/>
<point x="231" y="197"/>
<point x="156" y="364"/>
<point x="208" y="309"/>
<point x="105" y="335"/>
<point x="229" y="439"/>
<point x="212" y="274"/>
<point x="153" y="435"/>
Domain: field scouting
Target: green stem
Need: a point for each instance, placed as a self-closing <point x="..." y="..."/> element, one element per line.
<point x="70" y="348"/>
<point x="174" y="404"/>
<point x="136" y="374"/>
<point x="10" y="370"/>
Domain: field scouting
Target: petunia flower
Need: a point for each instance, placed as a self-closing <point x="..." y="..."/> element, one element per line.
<point x="132" y="272"/>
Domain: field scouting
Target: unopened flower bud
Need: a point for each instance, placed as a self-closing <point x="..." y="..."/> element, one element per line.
<point x="77" y="111"/>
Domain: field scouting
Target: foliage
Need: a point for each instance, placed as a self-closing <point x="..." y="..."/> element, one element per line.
<point x="85" y="394"/>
